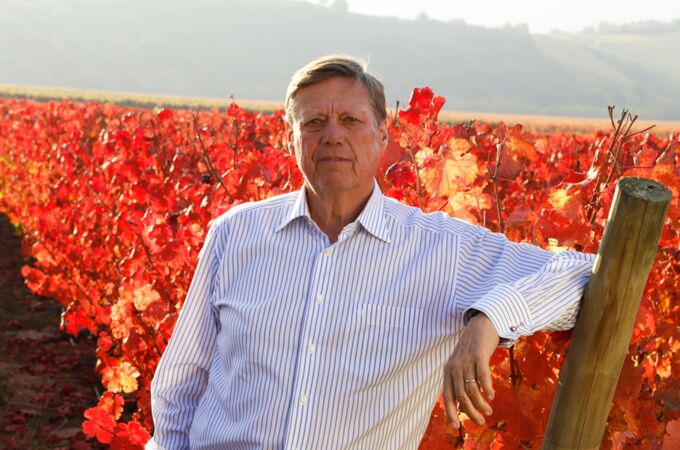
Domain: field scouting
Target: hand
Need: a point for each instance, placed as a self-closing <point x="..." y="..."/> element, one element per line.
<point x="468" y="369"/>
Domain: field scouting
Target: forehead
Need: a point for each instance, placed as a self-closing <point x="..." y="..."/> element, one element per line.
<point x="337" y="94"/>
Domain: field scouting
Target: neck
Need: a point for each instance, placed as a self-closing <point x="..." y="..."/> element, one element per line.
<point x="332" y="211"/>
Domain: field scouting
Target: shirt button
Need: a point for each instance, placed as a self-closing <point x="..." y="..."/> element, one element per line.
<point x="311" y="348"/>
<point x="303" y="399"/>
<point x="327" y="252"/>
<point x="319" y="299"/>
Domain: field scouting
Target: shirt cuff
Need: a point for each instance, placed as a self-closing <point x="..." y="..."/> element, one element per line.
<point x="508" y="311"/>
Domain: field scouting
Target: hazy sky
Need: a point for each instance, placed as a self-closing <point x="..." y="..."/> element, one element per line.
<point x="541" y="16"/>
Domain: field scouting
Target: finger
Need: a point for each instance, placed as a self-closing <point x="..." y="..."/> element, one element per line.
<point x="449" y="401"/>
<point x="465" y="404"/>
<point x="479" y="403"/>
<point x="484" y="378"/>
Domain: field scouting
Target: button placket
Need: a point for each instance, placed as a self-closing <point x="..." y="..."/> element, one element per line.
<point x="305" y="380"/>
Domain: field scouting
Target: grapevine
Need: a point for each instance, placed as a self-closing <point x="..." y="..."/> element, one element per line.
<point x="114" y="204"/>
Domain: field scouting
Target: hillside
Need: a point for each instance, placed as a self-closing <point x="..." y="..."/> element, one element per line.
<point x="249" y="49"/>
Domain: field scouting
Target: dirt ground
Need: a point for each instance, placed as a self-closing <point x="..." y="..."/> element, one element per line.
<point x="47" y="378"/>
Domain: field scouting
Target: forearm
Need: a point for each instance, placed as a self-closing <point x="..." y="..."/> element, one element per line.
<point x="181" y="377"/>
<point x="547" y="299"/>
<point x="175" y="393"/>
<point x="520" y="287"/>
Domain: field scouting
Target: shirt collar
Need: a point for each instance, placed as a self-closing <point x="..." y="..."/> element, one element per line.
<point x="371" y="218"/>
<point x="298" y="209"/>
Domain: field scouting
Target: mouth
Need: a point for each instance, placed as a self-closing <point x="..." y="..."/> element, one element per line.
<point x="333" y="160"/>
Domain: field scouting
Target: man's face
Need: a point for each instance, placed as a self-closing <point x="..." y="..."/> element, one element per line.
<point x="335" y="137"/>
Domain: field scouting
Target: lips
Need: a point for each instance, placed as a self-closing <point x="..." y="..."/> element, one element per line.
<point x="333" y="159"/>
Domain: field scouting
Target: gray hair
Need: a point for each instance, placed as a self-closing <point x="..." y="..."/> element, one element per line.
<point x="337" y="66"/>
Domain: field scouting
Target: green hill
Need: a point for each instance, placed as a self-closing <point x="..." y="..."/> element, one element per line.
<point x="249" y="49"/>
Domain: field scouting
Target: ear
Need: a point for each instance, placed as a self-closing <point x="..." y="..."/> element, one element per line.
<point x="384" y="135"/>
<point x="290" y="138"/>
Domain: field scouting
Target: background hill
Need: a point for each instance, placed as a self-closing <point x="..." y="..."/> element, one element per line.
<point x="249" y="49"/>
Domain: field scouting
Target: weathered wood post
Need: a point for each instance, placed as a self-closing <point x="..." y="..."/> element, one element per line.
<point x="605" y="322"/>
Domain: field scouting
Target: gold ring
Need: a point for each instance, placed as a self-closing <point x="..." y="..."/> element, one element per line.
<point x="470" y="381"/>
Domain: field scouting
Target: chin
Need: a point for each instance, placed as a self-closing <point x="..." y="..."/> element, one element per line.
<point x="336" y="187"/>
<point x="336" y="184"/>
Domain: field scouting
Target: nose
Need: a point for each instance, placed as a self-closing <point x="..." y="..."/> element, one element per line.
<point x="333" y="133"/>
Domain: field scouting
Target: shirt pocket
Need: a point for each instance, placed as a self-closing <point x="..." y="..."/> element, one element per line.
<point x="386" y="316"/>
<point x="382" y="342"/>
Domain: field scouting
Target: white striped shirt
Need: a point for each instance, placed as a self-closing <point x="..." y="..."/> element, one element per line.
<point x="287" y="341"/>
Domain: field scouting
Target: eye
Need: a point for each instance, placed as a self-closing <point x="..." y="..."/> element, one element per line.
<point x="350" y="119"/>
<point x="314" y="123"/>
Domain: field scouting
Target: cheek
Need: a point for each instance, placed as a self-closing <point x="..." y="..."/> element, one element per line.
<point x="303" y="156"/>
<point x="373" y="152"/>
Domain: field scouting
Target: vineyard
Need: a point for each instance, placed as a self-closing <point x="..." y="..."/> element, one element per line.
<point x="114" y="204"/>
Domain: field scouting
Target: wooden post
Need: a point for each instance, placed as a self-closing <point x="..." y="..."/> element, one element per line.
<point x="605" y="322"/>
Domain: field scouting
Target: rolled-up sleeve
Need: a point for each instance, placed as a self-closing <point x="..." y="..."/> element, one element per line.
<point x="520" y="287"/>
<point x="182" y="374"/>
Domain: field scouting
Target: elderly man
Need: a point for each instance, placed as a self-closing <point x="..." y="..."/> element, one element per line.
<point x="322" y="319"/>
